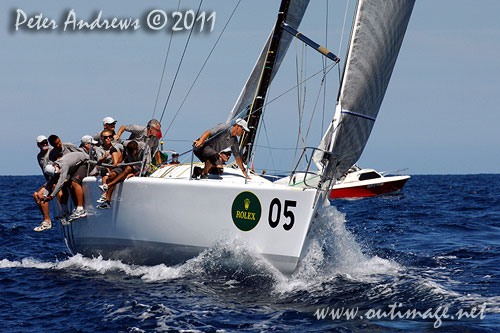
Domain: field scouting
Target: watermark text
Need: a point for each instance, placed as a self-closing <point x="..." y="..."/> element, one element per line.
<point x="396" y="311"/>
<point x="153" y="20"/>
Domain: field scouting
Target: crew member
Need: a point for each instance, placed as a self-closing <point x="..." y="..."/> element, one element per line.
<point x="215" y="140"/>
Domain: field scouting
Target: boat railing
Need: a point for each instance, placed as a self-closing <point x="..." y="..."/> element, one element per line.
<point x="94" y="163"/>
<point x="191" y="167"/>
<point x="308" y="173"/>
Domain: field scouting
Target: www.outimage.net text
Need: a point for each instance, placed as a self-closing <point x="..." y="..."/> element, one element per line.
<point x="395" y="312"/>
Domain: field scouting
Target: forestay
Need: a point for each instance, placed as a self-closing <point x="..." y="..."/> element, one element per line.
<point x="376" y="37"/>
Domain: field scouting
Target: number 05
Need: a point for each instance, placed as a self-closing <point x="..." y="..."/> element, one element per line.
<point x="276" y="204"/>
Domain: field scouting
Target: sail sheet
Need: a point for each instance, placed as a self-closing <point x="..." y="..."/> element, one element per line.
<point x="294" y="16"/>
<point x="376" y="37"/>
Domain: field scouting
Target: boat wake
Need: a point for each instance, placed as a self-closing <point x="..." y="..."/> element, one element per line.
<point x="333" y="266"/>
<point x="331" y="251"/>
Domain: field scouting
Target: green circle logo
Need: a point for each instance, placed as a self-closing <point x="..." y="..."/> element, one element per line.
<point x="246" y="211"/>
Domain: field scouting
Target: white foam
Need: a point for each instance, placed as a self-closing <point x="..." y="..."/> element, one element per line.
<point x="332" y="251"/>
<point x="100" y="266"/>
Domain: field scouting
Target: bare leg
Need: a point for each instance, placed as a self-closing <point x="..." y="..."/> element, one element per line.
<point x="116" y="179"/>
<point x="63" y="196"/>
<point x="77" y="188"/>
<point x="208" y="166"/>
<point x="121" y="177"/>
<point x="116" y="157"/>
<point x="42" y="206"/>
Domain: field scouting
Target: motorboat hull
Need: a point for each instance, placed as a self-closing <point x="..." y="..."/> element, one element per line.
<point x="363" y="189"/>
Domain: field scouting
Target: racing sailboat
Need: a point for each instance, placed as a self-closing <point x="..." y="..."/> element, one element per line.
<point x="168" y="217"/>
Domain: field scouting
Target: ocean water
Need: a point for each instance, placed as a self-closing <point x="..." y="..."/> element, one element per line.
<point x="421" y="260"/>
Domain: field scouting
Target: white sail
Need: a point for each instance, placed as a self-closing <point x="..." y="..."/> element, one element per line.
<point x="377" y="33"/>
<point x="293" y="18"/>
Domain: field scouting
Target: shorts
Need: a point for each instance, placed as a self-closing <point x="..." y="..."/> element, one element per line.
<point x="205" y="153"/>
<point x="45" y="191"/>
<point x="43" y="186"/>
<point x="119" y="169"/>
<point x="103" y="171"/>
<point x="79" y="174"/>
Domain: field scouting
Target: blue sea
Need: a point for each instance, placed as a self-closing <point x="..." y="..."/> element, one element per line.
<point x="424" y="259"/>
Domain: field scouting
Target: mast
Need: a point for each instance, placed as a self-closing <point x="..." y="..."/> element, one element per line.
<point x="255" y="112"/>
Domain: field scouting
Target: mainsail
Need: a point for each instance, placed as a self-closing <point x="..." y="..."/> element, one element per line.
<point x="252" y="96"/>
<point x="376" y="37"/>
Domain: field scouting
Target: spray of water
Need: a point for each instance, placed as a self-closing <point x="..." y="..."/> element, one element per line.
<point x="332" y="251"/>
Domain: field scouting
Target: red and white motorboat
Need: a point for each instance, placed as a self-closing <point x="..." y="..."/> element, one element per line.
<point x="359" y="183"/>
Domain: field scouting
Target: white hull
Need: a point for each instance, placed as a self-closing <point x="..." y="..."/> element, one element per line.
<point x="169" y="220"/>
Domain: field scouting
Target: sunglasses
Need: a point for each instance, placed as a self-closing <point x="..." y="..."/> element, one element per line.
<point x="43" y="143"/>
<point x="107" y="137"/>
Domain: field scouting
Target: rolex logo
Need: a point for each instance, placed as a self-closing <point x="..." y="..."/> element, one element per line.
<point x="246" y="211"/>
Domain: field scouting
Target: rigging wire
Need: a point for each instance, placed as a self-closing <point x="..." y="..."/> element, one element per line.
<point x="342" y="34"/>
<point x="164" y="66"/>
<point x="203" y="66"/>
<point x="331" y="66"/>
<point x="259" y="131"/>
<point x="268" y="142"/>
<point x="324" y="65"/>
<point x="180" y="64"/>
<point x="322" y="85"/>
<point x="299" y="96"/>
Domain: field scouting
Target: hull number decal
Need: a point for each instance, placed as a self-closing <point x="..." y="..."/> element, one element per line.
<point x="275" y="213"/>
<point x="246" y="211"/>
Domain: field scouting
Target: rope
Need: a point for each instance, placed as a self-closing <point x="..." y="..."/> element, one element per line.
<point x="184" y="153"/>
<point x="268" y="142"/>
<point x="202" y="67"/>
<point x="164" y="67"/>
<point x="299" y="98"/>
<point x="331" y="66"/>
<point x="343" y="26"/>
<point x="159" y="165"/>
<point x="322" y="84"/>
<point x="180" y="64"/>
<point x="324" y="78"/>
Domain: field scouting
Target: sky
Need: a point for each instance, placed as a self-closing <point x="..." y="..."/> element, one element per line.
<point x="439" y="115"/>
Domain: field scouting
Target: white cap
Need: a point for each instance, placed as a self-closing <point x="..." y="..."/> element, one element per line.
<point x="50" y="170"/>
<point x="242" y="123"/>
<point x="108" y="120"/>
<point x="40" y="138"/>
<point x="88" y="139"/>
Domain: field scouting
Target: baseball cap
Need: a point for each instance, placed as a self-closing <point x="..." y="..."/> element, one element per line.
<point x="242" y="123"/>
<point x="50" y="170"/>
<point x="40" y="138"/>
<point x="88" y="139"/>
<point x="108" y="120"/>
